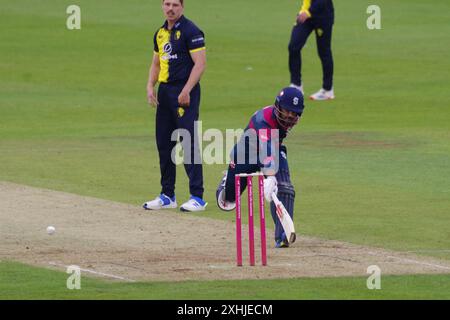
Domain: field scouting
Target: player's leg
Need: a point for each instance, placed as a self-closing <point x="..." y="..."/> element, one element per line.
<point x="165" y="125"/>
<point x="286" y="194"/>
<point x="187" y="118"/>
<point x="226" y="191"/>
<point x="323" y="40"/>
<point x="299" y="35"/>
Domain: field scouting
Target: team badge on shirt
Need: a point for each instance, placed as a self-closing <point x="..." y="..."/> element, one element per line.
<point x="178" y="35"/>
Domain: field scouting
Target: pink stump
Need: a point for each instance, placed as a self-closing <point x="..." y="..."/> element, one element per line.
<point x="237" y="185"/>
<point x="251" y="229"/>
<point x="262" y="221"/>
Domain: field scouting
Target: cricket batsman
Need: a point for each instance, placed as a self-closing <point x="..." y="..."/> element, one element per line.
<point x="264" y="135"/>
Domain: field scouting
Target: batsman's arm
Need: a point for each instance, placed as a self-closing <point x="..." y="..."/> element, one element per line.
<point x="153" y="79"/>
<point x="269" y="141"/>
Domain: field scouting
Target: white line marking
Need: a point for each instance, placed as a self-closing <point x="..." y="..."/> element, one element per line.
<point x="230" y="267"/>
<point x="94" y="272"/>
<point x="419" y="262"/>
<point x="219" y="267"/>
<point x="412" y="261"/>
<point x="430" y="250"/>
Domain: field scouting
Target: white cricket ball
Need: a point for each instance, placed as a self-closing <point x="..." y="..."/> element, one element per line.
<point x="51" y="230"/>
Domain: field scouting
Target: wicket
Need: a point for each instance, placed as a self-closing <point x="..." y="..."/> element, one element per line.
<point x="251" y="230"/>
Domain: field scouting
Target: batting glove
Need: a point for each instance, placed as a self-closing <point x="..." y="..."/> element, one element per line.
<point x="270" y="186"/>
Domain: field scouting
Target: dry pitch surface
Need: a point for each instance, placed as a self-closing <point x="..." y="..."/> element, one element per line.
<point x="125" y="243"/>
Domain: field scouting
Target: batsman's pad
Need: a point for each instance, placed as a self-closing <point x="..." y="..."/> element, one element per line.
<point x="286" y="191"/>
<point x="286" y="194"/>
<point x="286" y="222"/>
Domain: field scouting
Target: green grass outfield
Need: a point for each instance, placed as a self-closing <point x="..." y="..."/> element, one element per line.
<point x="370" y="168"/>
<point x="18" y="281"/>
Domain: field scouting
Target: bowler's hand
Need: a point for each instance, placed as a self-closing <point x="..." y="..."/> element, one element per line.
<point x="151" y="97"/>
<point x="302" y="17"/>
<point x="184" y="99"/>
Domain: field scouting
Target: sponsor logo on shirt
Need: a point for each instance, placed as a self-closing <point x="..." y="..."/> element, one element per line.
<point x="198" y="39"/>
<point x="168" y="52"/>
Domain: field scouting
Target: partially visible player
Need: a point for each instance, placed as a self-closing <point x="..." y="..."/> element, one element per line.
<point x="270" y="126"/>
<point x="317" y="16"/>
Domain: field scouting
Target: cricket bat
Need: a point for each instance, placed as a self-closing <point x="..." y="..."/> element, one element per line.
<point x="285" y="219"/>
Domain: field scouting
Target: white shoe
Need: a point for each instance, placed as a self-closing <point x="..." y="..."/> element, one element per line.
<point x="297" y="87"/>
<point x="194" y="204"/>
<point x="161" y="202"/>
<point x="323" y="94"/>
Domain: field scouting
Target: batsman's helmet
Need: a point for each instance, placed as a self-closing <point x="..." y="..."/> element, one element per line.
<point x="289" y="99"/>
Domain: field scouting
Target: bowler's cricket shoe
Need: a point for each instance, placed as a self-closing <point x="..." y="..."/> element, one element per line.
<point x="220" y="195"/>
<point x="297" y="87"/>
<point x="161" y="202"/>
<point x="323" y="94"/>
<point x="194" y="204"/>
